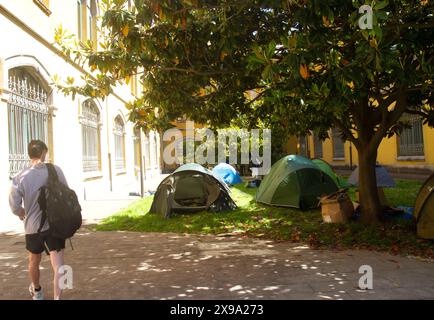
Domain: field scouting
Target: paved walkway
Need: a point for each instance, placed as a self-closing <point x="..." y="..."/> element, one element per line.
<point x="93" y="211"/>
<point x="127" y="265"/>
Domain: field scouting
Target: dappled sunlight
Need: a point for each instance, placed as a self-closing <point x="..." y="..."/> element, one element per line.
<point x="281" y="224"/>
<point x="170" y="266"/>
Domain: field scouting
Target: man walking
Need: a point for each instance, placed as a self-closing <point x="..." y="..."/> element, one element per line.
<point x="25" y="192"/>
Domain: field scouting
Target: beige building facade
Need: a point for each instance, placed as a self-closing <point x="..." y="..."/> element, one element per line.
<point x="101" y="153"/>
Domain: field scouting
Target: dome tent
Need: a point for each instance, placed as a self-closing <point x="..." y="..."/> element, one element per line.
<point x="227" y="173"/>
<point x="326" y="168"/>
<point x="295" y="181"/>
<point x="424" y="209"/>
<point x="191" y="188"/>
<point x="384" y="180"/>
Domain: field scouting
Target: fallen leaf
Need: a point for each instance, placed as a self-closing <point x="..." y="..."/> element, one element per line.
<point x="295" y="236"/>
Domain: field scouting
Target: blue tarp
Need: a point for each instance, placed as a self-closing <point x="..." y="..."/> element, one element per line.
<point x="395" y="214"/>
<point x="227" y="173"/>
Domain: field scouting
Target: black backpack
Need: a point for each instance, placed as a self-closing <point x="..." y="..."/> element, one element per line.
<point x="60" y="206"/>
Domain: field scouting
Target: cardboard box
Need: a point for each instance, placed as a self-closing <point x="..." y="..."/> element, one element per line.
<point x="337" y="208"/>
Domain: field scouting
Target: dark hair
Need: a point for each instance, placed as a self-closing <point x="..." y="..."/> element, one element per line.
<point x="36" y="148"/>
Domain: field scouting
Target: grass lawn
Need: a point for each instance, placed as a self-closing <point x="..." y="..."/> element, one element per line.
<point x="283" y="224"/>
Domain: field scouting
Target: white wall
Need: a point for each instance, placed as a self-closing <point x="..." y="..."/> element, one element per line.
<point x="19" y="48"/>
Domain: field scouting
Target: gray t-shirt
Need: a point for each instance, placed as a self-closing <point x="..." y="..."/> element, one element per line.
<point x="25" y="188"/>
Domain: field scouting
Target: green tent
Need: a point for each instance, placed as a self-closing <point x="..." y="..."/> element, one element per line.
<point x="424" y="209"/>
<point x="191" y="188"/>
<point x="295" y="181"/>
<point x="326" y="168"/>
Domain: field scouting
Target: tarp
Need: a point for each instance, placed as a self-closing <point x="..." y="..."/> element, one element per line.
<point x="295" y="181"/>
<point x="227" y="173"/>
<point x="384" y="180"/>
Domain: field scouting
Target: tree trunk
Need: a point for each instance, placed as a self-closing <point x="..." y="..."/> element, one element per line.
<point x="368" y="192"/>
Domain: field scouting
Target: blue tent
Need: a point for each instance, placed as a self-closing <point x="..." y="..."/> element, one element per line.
<point x="384" y="180"/>
<point x="227" y="173"/>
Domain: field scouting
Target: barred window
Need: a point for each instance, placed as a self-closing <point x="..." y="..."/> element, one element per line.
<point x="80" y="22"/>
<point x="338" y="145"/>
<point x="27" y="116"/>
<point x="147" y="151"/>
<point x="86" y="19"/>
<point x="156" y="150"/>
<point x="137" y="142"/>
<point x="410" y="142"/>
<point x="317" y="146"/>
<point x="119" y="133"/>
<point x="90" y="130"/>
<point x="303" y="146"/>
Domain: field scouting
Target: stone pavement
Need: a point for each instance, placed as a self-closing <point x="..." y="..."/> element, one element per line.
<point x="128" y="265"/>
<point x="93" y="211"/>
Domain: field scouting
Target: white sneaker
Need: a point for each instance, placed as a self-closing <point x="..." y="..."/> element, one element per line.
<point x="36" y="295"/>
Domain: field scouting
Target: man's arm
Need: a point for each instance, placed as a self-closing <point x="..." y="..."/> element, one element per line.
<point x="16" y="199"/>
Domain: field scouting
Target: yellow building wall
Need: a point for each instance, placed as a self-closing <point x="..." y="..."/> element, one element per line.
<point x="387" y="152"/>
<point x="291" y="146"/>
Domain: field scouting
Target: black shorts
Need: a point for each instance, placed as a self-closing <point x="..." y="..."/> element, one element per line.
<point x="35" y="242"/>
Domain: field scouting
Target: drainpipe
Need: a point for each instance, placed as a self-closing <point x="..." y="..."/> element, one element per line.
<point x="351" y="156"/>
<point x="142" y="187"/>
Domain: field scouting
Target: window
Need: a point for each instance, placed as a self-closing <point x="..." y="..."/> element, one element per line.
<point x="86" y="20"/>
<point x="89" y="21"/>
<point x="303" y="146"/>
<point x="44" y="5"/>
<point x="410" y="142"/>
<point x="80" y="22"/>
<point x="317" y="146"/>
<point x="147" y="153"/>
<point x="156" y="150"/>
<point x="90" y="131"/>
<point x="338" y="145"/>
<point x="136" y="139"/>
<point x="27" y="116"/>
<point x="119" y="133"/>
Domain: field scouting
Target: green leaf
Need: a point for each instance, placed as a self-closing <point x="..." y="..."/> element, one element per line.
<point x="381" y="5"/>
<point x="378" y="63"/>
<point x="266" y="73"/>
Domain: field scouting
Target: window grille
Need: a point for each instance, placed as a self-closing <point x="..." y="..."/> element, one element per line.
<point x="410" y="141"/>
<point x="90" y="129"/>
<point x="27" y="116"/>
<point x="338" y="145"/>
<point x="317" y="146"/>
<point x="119" y="133"/>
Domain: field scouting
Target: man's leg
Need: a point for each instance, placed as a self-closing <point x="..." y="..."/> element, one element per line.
<point x="34" y="261"/>
<point x="57" y="260"/>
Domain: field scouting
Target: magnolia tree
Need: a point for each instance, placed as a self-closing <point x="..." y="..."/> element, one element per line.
<point x="294" y="65"/>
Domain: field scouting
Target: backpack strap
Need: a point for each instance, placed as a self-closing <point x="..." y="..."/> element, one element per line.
<point x="52" y="173"/>
<point x="42" y="200"/>
<point x="43" y="205"/>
